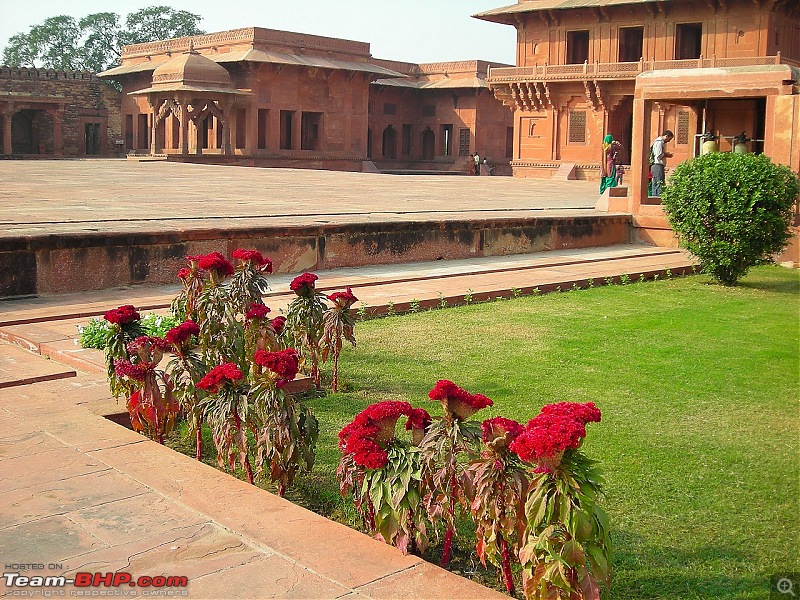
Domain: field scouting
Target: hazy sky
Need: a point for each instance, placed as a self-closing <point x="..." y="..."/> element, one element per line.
<point x="410" y="30"/>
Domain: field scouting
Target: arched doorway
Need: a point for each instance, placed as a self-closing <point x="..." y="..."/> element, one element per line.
<point x="389" y="149"/>
<point x="428" y="144"/>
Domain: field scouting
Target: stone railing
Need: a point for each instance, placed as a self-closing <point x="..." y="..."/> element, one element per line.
<point x="34" y="73"/>
<point x="621" y="70"/>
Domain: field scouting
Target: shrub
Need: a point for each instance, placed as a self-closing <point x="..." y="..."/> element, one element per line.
<point x="732" y="211"/>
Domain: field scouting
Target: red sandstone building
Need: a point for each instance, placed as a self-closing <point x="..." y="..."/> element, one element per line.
<point x="633" y="68"/>
<point x="275" y="98"/>
<point x="45" y="112"/>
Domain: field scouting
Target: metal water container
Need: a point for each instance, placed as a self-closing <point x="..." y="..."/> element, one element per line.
<point x="709" y="143"/>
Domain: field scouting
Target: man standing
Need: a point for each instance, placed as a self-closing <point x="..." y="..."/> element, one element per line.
<point x="659" y="157"/>
<point x="477" y="164"/>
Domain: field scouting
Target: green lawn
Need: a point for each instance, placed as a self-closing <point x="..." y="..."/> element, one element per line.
<point x="698" y="385"/>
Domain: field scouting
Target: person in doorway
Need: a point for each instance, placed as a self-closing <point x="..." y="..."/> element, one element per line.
<point x="471" y="165"/>
<point x="659" y="156"/>
<point x="610" y="162"/>
<point x="477" y="164"/>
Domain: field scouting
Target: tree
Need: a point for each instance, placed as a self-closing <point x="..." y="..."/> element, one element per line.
<point x="732" y="211"/>
<point x="93" y="43"/>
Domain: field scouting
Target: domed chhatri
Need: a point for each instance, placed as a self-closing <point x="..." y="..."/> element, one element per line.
<point x="192" y="70"/>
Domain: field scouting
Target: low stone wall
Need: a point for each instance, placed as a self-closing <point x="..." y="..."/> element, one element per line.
<point x="79" y="262"/>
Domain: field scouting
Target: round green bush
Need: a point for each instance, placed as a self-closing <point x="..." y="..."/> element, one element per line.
<point x="731" y="211"/>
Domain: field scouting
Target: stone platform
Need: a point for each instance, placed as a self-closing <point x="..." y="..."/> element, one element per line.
<point x="92" y="224"/>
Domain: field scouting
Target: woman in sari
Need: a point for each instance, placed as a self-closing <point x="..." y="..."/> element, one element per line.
<point x="608" y="166"/>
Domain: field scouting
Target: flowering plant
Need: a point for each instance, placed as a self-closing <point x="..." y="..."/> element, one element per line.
<point x="449" y="437"/>
<point x="496" y="483"/>
<point x="338" y="324"/>
<point x="565" y="548"/>
<point x="384" y="474"/>
<point x="286" y="430"/>
<point x="259" y="332"/>
<point x="126" y="327"/>
<point x="186" y="369"/>
<point x="249" y="283"/>
<point x="151" y="403"/>
<point x="228" y="411"/>
<point x="304" y="323"/>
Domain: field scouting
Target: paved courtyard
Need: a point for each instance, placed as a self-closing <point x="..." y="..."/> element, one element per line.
<point x="70" y="196"/>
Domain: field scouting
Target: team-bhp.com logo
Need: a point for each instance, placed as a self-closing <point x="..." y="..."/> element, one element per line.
<point x="157" y="585"/>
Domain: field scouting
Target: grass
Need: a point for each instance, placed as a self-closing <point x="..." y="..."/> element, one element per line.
<point x="698" y="385"/>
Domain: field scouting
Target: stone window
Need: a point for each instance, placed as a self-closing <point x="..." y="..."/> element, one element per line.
<point x="447" y="139"/>
<point x="463" y="142"/>
<point x="287" y="123"/>
<point x="311" y="131"/>
<point x="406" y="144"/>
<point x="682" y="133"/>
<point x="577" y="47"/>
<point x="262" y="128"/>
<point x="509" y="142"/>
<point x="631" y="40"/>
<point x="390" y="109"/>
<point x="577" y="127"/>
<point x="688" y="41"/>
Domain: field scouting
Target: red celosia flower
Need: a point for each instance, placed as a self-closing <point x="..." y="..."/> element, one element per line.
<point x="418" y="418"/>
<point x="368" y="453"/>
<point x="278" y="323"/>
<point x="283" y="363"/>
<point x="257" y="311"/>
<point x="214" y="261"/>
<point x="178" y="335"/>
<point x="500" y="427"/>
<point x="499" y="432"/>
<point x="344" y="299"/>
<point x="556" y="428"/>
<point x="303" y="285"/>
<point x="184" y="273"/>
<point x="227" y="373"/>
<point x="371" y="430"/>
<point x="125" y="368"/>
<point x="254" y="257"/>
<point x="457" y="401"/>
<point x="122" y="315"/>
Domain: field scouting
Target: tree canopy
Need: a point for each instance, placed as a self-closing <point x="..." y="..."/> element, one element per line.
<point x="93" y="43"/>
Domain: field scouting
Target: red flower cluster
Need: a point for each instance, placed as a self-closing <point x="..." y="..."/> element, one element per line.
<point x="500" y="427"/>
<point x="214" y="261"/>
<point x="418" y="418"/>
<point x="122" y="315"/>
<point x="277" y="324"/>
<point x="178" y="335"/>
<point x="344" y="299"/>
<point x="257" y="311"/>
<point x="138" y="372"/>
<point x="254" y="257"/>
<point x="457" y="401"/>
<point x="220" y="375"/>
<point x="303" y="285"/>
<point x="148" y="349"/>
<point x="372" y="425"/>
<point x="184" y="273"/>
<point x="283" y="363"/>
<point x="556" y="428"/>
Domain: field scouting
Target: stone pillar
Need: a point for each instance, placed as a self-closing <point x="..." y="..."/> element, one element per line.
<point x="183" y="136"/>
<point x="7" y="130"/>
<point x="226" y="122"/>
<point x="640" y="153"/>
<point x="58" y="132"/>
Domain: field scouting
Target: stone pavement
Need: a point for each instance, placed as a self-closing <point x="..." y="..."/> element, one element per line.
<point x="52" y="197"/>
<point x="79" y="493"/>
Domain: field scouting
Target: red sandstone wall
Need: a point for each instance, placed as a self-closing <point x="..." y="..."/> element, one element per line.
<point x="79" y="97"/>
